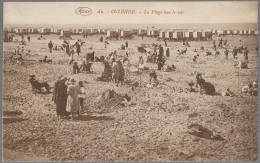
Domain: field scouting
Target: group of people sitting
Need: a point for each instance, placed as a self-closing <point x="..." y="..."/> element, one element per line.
<point x="86" y="66"/>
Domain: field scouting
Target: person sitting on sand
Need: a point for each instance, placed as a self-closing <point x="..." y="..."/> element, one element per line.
<point x="76" y="68"/>
<point x="102" y="58"/>
<point x="127" y="100"/>
<point x="36" y="84"/>
<point x="46" y="59"/>
<point x="83" y="66"/>
<point x="217" y="53"/>
<point x="195" y="58"/>
<point x="167" y="68"/>
<point x="28" y="52"/>
<point x="199" y="80"/>
<point x="153" y="79"/>
<point x="87" y="67"/>
<point x="122" y="47"/>
<point x="247" y="88"/>
<point x="208" y="52"/>
<point x="237" y="63"/>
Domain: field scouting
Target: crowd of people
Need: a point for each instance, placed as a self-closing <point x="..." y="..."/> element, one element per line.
<point x="68" y="96"/>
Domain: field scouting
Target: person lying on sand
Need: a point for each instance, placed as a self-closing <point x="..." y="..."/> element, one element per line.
<point x="37" y="85"/>
<point x="46" y="59"/>
<point x="228" y="92"/>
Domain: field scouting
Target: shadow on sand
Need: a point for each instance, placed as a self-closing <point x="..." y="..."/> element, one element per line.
<point x="12" y="120"/>
<point x="10" y="113"/>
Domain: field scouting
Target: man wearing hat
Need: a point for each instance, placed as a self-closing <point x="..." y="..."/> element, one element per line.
<point x="36" y="84"/>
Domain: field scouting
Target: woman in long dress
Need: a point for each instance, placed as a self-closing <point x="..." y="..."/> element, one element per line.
<point x="61" y="98"/>
<point x="73" y="99"/>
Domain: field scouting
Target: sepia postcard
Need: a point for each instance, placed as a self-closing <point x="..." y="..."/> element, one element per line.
<point x="130" y="81"/>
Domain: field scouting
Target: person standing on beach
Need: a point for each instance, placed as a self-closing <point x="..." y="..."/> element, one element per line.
<point x="226" y="53"/>
<point x="82" y="95"/>
<point x="77" y="47"/>
<point x="73" y="105"/>
<point x="168" y="52"/>
<point x="246" y="54"/>
<point x="126" y="44"/>
<point x="28" y="38"/>
<point x="141" y="64"/>
<point x="67" y="49"/>
<point x="60" y="98"/>
<point x="50" y="46"/>
<point x="235" y="52"/>
<point x="55" y="88"/>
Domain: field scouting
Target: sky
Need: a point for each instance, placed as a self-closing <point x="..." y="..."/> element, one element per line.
<point x="192" y="12"/>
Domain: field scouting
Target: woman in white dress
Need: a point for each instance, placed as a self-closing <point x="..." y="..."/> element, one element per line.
<point x="73" y="99"/>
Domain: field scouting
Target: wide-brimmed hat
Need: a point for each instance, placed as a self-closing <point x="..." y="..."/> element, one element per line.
<point x="72" y="81"/>
<point x="31" y="75"/>
<point x="63" y="78"/>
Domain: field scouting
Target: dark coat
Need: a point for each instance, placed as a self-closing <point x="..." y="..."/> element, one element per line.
<point x="61" y="99"/>
<point x="119" y="72"/>
<point x="50" y="45"/>
<point x="77" y="47"/>
<point x="68" y="49"/>
<point x="107" y="70"/>
<point x="56" y="84"/>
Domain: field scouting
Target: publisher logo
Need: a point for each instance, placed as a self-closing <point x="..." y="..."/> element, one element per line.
<point x="84" y="11"/>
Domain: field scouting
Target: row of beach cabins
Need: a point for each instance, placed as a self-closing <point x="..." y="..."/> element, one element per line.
<point x="161" y="34"/>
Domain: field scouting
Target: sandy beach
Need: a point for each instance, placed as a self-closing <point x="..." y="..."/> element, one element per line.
<point x="154" y="129"/>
